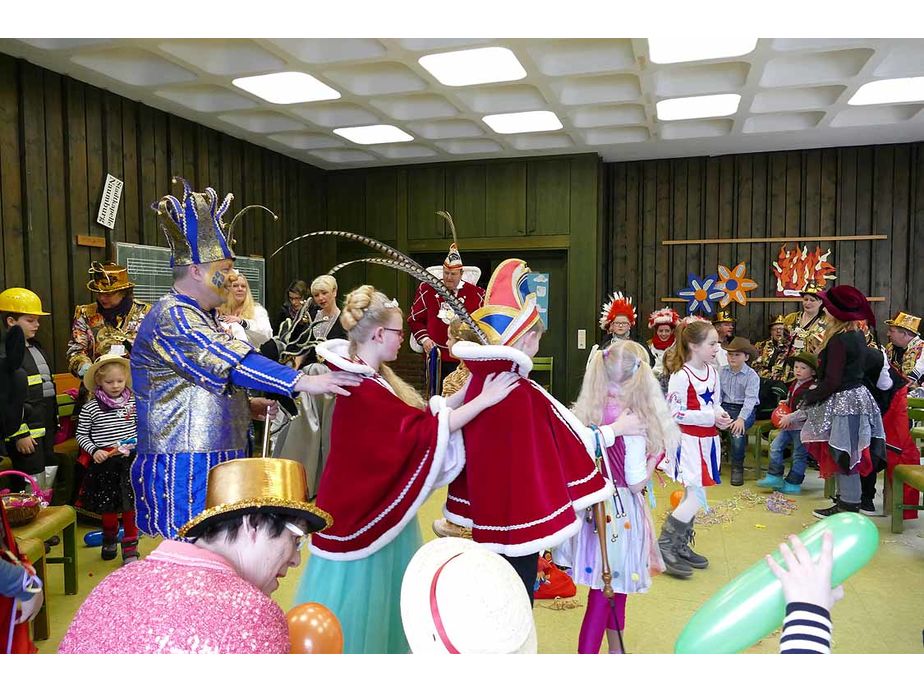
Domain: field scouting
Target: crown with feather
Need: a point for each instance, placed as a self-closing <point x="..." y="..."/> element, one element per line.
<point x="617" y="305"/>
<point x="194" y="227"/>
<point x="510" y="308"/>
<point x="663" y="316"/>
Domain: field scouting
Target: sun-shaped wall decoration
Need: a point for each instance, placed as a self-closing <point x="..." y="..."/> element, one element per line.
<point x="735" y="284"/>
<point x="700" y="293"/>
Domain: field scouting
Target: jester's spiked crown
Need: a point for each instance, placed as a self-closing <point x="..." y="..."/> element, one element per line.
<point x="194" y="227"/>
<point x="510" y="308"/>
<point x="617" y="305"/>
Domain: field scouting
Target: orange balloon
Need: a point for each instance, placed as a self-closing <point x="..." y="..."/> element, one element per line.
<point x="676" y="497"/>
<point x="313" y="629"/>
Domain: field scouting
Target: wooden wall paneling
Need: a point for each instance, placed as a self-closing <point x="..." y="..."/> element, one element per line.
<point x="76" y="175"/>
<point x="661" y="268"/>
<point x="96" y="173"/>
<point x="643" y="287"/>
<point x="60" y="242"/>
<point x="406" y="286"/>
<point x="633" y="230"/>
<point x="505" y="198"/>
<point x="616" y="228"/>
<point x="130" y="205"/>
<point x="11" y="214"/>
<point x="750" y="319"/>
<point x="234" y="155"/>
<point x="35" y="198"/>
<point x="465" y="200"/>
<point x="898" y="232"/>
<point x="793" y="193"/>
<point x="827" y="213"/>
<point x="279" y="230"/>
<point x="162" y="176"/>
<point x="881" y="273"/>
<point x="843" y="252"/>
<point x="915" y="301"/>
<point x="677" y="256"/>
<point x="861" y="251"/>
<point x="762" y="255"/>
<point x="810" y="223"/>
<point x="175" y="149"/>
<point x="203" y="172"/>
<point x="710" y="258"/>
<point x="381" y="208"/>
<point x="695" y="187"/>
<point x="727" y="191"/>
<point x="112" y="163"/>
<point x="548" y="186"/>
<point x="426" y="193"/>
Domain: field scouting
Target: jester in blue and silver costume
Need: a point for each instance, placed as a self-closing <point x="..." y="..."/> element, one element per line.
<point x="190" y="376"/>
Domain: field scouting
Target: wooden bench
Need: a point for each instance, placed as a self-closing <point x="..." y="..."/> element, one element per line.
<point x="913" y="475"/>
<point x="916" y="417"/>
<point x="51" y="521"/>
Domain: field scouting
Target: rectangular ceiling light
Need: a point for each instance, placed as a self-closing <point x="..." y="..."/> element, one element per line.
<point x="698" y="107"/>
<point x="374" y="134"/>
<point x="527" y="121"/>
<point x="287" y="87"/>
<point x="682" y="50"/>
<point x="889" y="91"/>
<point x="475" y="66"/>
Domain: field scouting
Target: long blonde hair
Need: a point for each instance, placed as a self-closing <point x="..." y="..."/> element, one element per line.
<point x="246" y="308"/>
<point x="835" y="326"/>
<point x="686" y="333"/>
<point x="364" y="310"/>
<point x="625" y="363"/>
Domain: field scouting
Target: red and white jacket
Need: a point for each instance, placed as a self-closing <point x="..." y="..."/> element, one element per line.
<point x="430" y="315"/>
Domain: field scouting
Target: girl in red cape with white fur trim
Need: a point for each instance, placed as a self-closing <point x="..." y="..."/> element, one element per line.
<point x="530" y="465"/>
<point x="389" y="450"/>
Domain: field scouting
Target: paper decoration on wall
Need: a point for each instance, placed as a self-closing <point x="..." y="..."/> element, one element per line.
<point x="795" y="268"/>
<point x="735" y="283"/>
<point x="700" y="293"/>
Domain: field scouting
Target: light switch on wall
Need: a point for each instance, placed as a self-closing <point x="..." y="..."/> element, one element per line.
<point x="582" y="339"/>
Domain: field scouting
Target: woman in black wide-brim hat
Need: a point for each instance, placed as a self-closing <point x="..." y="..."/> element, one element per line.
<point x="843" y="431"/>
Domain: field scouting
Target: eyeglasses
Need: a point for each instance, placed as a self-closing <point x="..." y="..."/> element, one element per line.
<point x="302" y="537"/>
<point x="398" y="332"/>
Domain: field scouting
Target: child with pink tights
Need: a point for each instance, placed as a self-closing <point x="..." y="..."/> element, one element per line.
<point x="619" y="380"/>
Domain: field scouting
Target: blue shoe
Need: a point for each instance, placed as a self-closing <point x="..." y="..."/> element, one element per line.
<point x="771" y="481"/>
<point x="790" y="489"/>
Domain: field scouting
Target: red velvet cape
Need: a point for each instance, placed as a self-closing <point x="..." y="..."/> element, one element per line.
<point x="385" y="458"/>
<point x="22" y="643"/>
<point x="530" y="464"/>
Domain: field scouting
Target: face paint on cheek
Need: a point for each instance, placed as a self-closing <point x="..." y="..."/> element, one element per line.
<point x="219" y="283"/>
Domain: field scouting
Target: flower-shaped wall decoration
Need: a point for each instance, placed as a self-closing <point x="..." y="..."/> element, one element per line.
<point x="735" y="284"/>
<point x="700" y="293"/>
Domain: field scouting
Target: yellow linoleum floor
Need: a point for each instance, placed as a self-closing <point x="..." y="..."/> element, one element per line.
<point x="882" y="612"/>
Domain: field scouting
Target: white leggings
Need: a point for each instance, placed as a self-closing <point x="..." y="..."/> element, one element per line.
<point x="687" y="508"/>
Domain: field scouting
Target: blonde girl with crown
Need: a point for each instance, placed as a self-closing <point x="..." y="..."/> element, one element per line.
<point x="618" y="379"/>
<point x="389" y="450"/>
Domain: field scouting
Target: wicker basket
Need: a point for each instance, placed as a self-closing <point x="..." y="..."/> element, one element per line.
<point x="22" y="508"/>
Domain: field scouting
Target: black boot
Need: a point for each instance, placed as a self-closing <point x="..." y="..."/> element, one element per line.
<point x="737" y="474"/>
<point x="110" y="548"/>
<point x="673" y="537"/>
<point x="129" y="551"/>
<point x="686" y="552"/>
<point x="838" y="507"/>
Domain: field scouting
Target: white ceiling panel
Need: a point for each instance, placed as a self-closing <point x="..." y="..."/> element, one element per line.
<point x="794" y="94"/>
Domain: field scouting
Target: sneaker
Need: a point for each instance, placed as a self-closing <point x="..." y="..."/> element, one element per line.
<point x="109" y="551"/>
<point x="867" y="507"/>
<point x="790" y="489"/>
<point x="827" y="512"/>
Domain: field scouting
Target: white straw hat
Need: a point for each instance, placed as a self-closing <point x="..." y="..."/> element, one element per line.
<point x="460" y="598"/>
<point x="116" y="354"/>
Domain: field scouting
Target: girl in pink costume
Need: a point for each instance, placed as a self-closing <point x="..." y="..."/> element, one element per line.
<point x="619" y="380"/>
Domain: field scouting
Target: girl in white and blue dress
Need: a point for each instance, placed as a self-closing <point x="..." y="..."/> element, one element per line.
<point x="618" y="381"/>
<point x="693" y="396"/>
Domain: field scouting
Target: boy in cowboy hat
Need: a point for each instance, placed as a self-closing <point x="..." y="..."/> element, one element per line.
<point x="211" y="593"/>
<point x="31" y="445"/>
<point x="906" y="348"/>
<point x="740" y="393"/>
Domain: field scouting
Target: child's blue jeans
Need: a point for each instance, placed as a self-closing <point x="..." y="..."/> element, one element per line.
<point x="738" y="444"/>
<point x="799" y="455"/>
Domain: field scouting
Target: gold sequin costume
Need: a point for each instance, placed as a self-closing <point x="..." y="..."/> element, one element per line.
<point x="806" y="338"/>
<point x="909" y="358"/>
<point x="91" y="337"/>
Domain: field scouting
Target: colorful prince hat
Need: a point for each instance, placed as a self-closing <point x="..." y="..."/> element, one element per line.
<point x="509" y="309"/>
<point x="617" y="305"/>
<point x="194" y="227"/>
<point x="663" y="316"/>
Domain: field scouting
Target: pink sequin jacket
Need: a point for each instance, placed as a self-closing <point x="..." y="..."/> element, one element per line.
<point x="180" y="599"/>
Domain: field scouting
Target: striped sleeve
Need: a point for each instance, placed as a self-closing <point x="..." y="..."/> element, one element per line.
<point x="806" y="629"/>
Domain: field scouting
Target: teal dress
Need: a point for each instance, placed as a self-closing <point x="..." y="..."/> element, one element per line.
<point x="365" y="594"/>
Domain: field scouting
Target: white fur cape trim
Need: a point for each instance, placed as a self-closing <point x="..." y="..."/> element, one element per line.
<point x="337" y="352"/>
<point x="470" y="351"/>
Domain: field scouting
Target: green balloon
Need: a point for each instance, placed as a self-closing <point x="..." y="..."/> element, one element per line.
<point x="752" y="605"/>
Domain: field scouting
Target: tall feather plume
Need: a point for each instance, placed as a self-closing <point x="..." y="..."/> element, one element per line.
<point x="378" y="246"/>
<point x="421" y="275"/>
<point x="452" y="227"/>
<point x="230" y="234"/>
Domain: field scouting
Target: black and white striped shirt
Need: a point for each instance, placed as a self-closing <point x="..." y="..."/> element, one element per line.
<point x="98" y="428"/>
<point x="806" y="629"/>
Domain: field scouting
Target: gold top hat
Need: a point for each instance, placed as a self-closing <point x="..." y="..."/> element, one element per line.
<point x="256" y="484"/>
<point x="108" y="278"/>
<point x="722" y="316"/>
<point x="906" y="321"/>
<point x="778" y="320"/>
